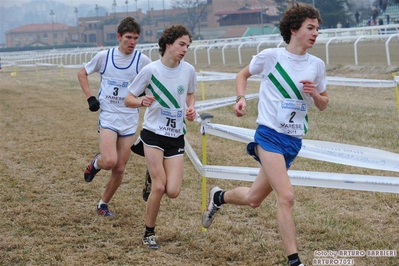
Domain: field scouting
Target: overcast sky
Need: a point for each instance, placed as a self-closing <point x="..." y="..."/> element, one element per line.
<point x="143" y="4"/>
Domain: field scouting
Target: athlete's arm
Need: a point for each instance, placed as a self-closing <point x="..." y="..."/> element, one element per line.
<point x="84" y="82"/>
<point x="320" y="99"/>
<point x="134" y="102"/>
<point x="190" y="111"/>
<point x="241" y="85"/>
<point x="94" y="104"/>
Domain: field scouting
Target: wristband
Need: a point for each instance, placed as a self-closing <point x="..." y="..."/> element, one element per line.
<point x="239" y="97"/>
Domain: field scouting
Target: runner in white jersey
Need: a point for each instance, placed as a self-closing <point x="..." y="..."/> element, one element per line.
<point x="292" y="81"/>
<point x="169" y="85"/>
<point x="280" y="95"/>
<point x="117" y="123"/>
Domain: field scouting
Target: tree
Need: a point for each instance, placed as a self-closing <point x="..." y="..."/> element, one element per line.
<point x="281" y="6"/>
<point x="331" y="11"/>
<point x="196" y="9"/>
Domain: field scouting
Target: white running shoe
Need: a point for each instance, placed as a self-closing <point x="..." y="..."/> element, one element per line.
<point x="149" y="241"/>
<point x="210" y="212"/>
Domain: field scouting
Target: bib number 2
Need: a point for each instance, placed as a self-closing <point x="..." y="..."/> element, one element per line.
<point x="291" y="116"/>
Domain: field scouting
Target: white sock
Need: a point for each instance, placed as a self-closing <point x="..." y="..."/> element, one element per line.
<point x="102" y="202"/>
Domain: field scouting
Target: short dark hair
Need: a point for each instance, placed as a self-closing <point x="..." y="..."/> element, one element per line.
<point x="295" y="16"/>
<point x="170" y="35"/>
<point x="128" y="24"/>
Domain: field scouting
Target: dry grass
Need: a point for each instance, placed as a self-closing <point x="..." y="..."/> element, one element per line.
<point x="48" y="212"/>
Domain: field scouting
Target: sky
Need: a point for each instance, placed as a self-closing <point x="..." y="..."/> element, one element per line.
<point x="143" y="4"/>
<point x="120" y="6"/>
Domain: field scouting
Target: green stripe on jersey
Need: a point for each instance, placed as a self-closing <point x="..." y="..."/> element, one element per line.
<point x="281" y="89"/>
<point x="287" y="79"/>
<point x="168" y="95"/>
<point x="165" y="91"/>
<point x="157" y="97"/>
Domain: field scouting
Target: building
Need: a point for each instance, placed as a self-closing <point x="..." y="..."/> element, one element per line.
<point x="209" y="20"/>
<point x="48" y="34"/>
<point x="243" y="16"/>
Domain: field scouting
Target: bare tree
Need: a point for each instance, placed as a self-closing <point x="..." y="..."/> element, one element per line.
<point x="195" y="11"/>
<point x="245" y="5"/>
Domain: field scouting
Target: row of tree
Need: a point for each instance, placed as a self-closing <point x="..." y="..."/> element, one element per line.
<point x="332" y="11"/>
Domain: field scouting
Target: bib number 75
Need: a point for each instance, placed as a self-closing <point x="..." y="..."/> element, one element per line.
<point x="171" y="122"/>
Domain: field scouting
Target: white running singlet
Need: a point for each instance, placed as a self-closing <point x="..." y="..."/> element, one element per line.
<point x="170" y="87"/>
<point x="117" y="72"/>
<point x="282" y="104"/>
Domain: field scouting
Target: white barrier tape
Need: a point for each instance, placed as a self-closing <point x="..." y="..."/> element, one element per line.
<point x="312" y="179"/>
<point x="346" y="181"/>
<point x="361" y="82"/>
<point x="193" y="157"/>
<point x="204" y="76"/>
<point x="47" y="64"/>
<point x="26" y="65"/>
<point x="6" y="63"/>
<point x="227" y="75"/>
<point x="212" y="104"/>
<point x="340" y="81"/>
<point x="73" y="66"/>
<point x="350" y="155"/>
<point x="230" y="132"/>
<point x="321" y="150"/>
<point x="300" y="178"/>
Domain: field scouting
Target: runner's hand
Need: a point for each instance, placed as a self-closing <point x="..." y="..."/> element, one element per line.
<point x="94" y="104"/>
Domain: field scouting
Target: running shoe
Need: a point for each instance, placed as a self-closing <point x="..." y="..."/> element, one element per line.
<point x="150" y="242"/>
<point x="147" y="186"/>
<point x="91" y="171"/>
<point x="104" y="211"/>
<point x="210" y="212"/>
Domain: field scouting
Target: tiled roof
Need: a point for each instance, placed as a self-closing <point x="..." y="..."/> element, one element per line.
<point x="270" y="5"/>
<point x="40" y="27"/>
<point x="246" y="11"/>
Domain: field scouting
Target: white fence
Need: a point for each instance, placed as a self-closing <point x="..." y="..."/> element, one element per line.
<point x="389" y="34"/>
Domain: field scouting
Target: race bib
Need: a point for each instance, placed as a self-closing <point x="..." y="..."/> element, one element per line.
<point x="291" y="116"/>
<point x="115" y="92"/>
<point x="170" y="122"/>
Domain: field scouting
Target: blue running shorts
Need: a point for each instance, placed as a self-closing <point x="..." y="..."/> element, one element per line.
<point x="273" y="141"/>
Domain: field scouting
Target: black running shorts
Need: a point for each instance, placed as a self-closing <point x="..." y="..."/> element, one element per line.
<point x="171" y="147"/>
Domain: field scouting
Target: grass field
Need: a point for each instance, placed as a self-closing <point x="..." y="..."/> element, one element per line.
<point x="48" y="216"/>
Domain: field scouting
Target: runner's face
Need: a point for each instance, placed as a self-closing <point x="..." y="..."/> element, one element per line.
<point x="128" y="42"/>
<point x="179" y="48"/>
<point x="307" y="33"/>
